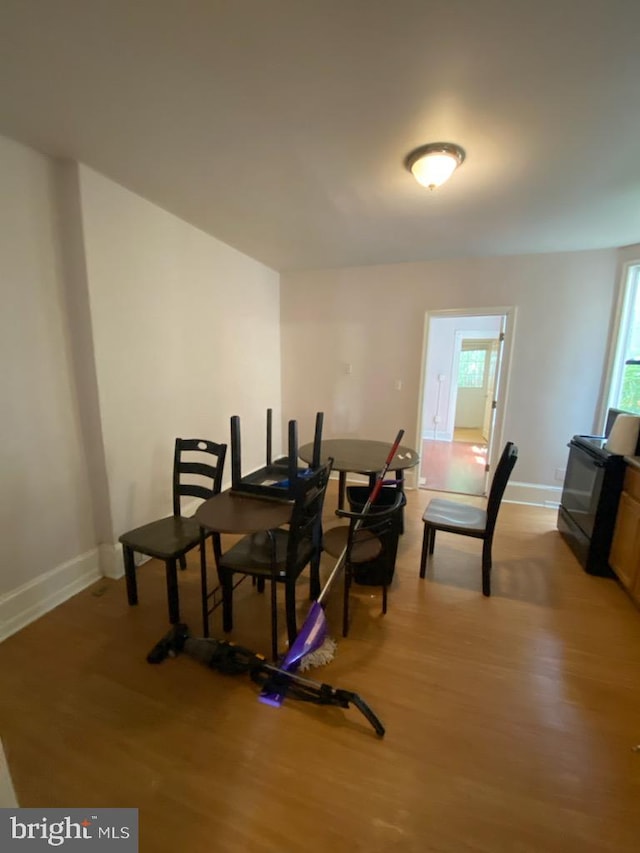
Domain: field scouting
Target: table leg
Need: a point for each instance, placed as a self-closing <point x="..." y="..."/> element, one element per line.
<point x="130" y="572"/>
<point x="342" y="485"/>
<point x="204" y="587"/>
<point x="400" y="486"/>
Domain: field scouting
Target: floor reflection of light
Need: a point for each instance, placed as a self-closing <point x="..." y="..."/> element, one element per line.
<point x="551" y="691"/>
<point x="480" y="460"/>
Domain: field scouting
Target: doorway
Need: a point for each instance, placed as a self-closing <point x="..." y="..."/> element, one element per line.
<point x="463" y="391"/>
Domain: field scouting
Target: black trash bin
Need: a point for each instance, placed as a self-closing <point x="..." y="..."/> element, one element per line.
<point x="379" y="571"/>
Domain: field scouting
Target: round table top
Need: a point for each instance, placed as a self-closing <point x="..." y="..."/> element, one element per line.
<point x="233" y="513"/>
<point x="360" y="455"/>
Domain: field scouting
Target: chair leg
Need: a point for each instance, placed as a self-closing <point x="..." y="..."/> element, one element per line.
<point x="486" y="567"/>
<point x="274" y="622"/>
<point x="314" y="577"/>
<point x="171" y="570"/>
<point x="183" y="562"/>
<point x="290" y="609"/>
<point x="345" y="603"/>
<point x="226" y="582"/>
<point x="384" y="598"/>
<point x="426" y="538"/>
<point x="432" y="541"/>
<point x="259" y="584"/>
<point x="130" y="572"/>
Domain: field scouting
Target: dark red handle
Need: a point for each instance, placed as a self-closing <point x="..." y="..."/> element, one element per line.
<point x="379" y="482"/>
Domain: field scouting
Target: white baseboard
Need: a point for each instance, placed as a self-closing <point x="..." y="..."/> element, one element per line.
<point x="33" y="599"/>
<point x="439" y="435"/>
<point x="536" y="494"/>
<point x="110" y="560"/>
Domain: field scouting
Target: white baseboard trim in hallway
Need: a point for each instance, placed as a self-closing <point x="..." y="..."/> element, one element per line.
<point x="33" y="599"/>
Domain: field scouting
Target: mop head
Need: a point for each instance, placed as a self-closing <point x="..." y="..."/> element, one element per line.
<point x="321" y="656"/>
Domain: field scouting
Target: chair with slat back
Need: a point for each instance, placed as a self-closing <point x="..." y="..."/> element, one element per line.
<point x="455" y="517"/>
<point x="280" y="556"/>
<point x="169" y="539"/>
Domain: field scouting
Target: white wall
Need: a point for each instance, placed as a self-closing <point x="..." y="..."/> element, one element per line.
<point x="122" y="327"/>
<point x="45" y="498"/>
<point x="373" y="319"/>
<point x="186" y="333"/>
<point x="470" y="405"/>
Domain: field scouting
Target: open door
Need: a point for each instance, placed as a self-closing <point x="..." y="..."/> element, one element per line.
<point x="462" y="407"/>
<point x="491" y="397"/>
<point x="490" y="401"/>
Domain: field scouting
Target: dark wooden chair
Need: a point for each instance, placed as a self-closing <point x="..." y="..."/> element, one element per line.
<point x="169" y="539"/>
<point x="454" y="517"/>
<point x="280" y="555"/>
<point x="370" y="551"/>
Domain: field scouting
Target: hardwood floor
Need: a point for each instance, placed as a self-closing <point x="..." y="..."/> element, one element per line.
<point x="511" y="721"/>
<point x="473" y="434"/>
<point x="453" y="466"/>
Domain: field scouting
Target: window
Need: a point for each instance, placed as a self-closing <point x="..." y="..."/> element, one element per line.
<point x="624" y="392"/>
<point x="471" y="368"/>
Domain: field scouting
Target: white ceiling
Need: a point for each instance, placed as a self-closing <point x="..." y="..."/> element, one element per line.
<point x="281" y="126"/>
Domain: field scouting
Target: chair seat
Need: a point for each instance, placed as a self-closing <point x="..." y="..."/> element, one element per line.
<point x="455" y="516"/>
<point x="366" y="545"/>
<point x="252" y="554"/>
<point x="165" y="539"/>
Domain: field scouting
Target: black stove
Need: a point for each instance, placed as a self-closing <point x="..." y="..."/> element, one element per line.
<point x="594" y="444"/>
<point x="589" y="504"/>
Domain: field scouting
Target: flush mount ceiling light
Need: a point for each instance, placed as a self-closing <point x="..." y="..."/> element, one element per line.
<point x="433" y="164"/>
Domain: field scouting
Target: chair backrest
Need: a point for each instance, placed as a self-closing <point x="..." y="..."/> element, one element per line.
<point x="385" y="523"/>
<point x="202" y="459"/>
<point x="305" y="526"/>
<point x="499" y="483"/>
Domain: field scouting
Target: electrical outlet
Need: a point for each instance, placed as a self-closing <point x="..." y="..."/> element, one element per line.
<point x="559" y="474"/>
<point x="437" y="419"/>
<point x="398" y="384"/>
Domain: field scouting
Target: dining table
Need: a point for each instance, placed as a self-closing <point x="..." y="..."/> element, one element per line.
<point x="361" y="456"/>
<point x="238" y="514"/>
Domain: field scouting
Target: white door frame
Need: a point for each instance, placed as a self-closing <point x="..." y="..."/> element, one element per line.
<point x="502" y="386"/>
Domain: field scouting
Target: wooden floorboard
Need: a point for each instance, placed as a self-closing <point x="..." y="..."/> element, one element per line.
<point x="457" y="466"/>
<point x="511" y="721"/>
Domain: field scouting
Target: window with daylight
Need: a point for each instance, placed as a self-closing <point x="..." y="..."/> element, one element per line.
<point x="624" y="390"/>
<point x="471" y="368"/>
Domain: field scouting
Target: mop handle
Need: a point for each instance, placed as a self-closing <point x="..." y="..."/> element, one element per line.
<point x="380" y="481"/>
<point x="370" y="500"/>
